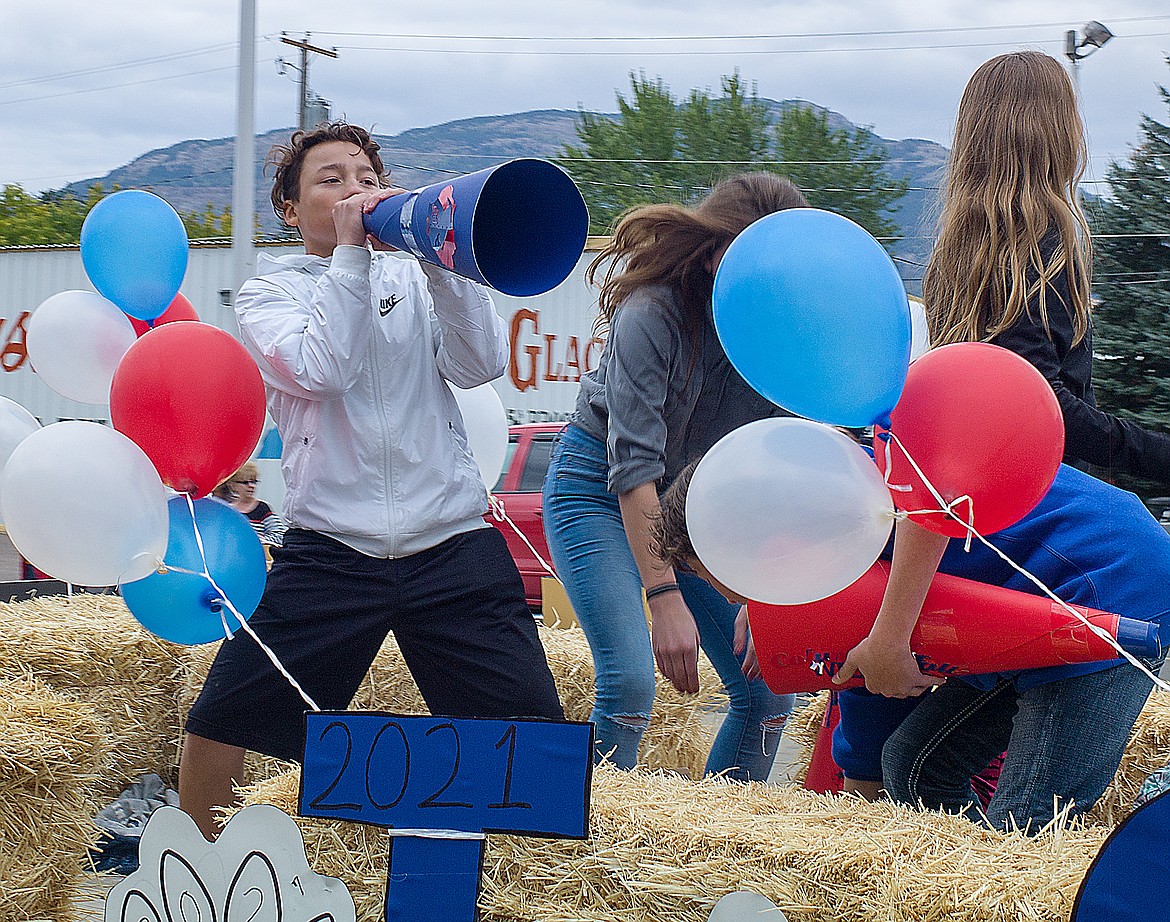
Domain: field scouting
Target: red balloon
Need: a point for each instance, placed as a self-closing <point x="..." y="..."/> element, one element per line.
<point x="980" y="421"/>
<point x="191" y="397"/>
<point x="179" y="309"/>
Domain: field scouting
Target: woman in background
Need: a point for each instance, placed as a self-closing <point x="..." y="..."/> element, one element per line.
<point x="240" y="491"/>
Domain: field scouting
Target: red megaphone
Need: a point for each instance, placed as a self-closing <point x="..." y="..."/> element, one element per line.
<point x="966" y="628"/>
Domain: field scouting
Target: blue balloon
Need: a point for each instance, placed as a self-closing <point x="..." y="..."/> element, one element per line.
<point x="184" y="607"/>
<point x="134" y="250"/>
<point x="811" y="312"/>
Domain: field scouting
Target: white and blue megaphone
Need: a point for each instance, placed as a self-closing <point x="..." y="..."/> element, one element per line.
<point x="519" y="227"/>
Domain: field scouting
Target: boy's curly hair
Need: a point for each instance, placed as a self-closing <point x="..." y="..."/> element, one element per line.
<point x="669" y="538"/>
<point x="287" y="159"/>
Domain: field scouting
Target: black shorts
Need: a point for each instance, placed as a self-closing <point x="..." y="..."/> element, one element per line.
<point x="457" y="611"/>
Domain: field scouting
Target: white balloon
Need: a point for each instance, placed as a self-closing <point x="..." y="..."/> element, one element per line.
<point x="75" y="340"/>
<point x="16" y="424"/>
<point x="487" y="429"/>
<point x="787" y="511"/>
<point x="84" y="504"/>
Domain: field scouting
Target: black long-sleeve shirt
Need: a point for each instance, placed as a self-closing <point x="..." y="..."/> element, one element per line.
<point x="1089" y="433"/>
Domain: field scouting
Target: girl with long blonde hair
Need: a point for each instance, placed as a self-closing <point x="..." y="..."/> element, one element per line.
<point x="1012" y="267"/>
<point x="1013" y="259"/>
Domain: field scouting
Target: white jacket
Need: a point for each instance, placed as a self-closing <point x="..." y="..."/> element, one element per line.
<point x="354" y="351"/>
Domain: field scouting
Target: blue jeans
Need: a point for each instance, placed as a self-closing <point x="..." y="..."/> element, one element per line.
<point x="1064" y="740"/>
<point x="592" y="556"/>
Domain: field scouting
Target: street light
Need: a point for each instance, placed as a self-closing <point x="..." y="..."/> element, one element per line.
<point x="1095" y="36"/>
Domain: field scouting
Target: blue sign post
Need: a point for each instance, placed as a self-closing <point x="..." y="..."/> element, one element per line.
<point x="443" y="783"/>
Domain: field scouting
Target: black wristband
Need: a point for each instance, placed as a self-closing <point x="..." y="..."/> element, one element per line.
<point x="661" y="590"/>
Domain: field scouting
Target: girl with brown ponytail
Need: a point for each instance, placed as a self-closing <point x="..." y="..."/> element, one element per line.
<point x="663" y="393"/>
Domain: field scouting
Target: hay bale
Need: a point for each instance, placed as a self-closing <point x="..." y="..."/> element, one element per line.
<point x="1148" y="750"/>
<point x="91" y="649"/>
<point x="677" y="739"/>
<point x="51" y="752"/>
<point x="664" y="849"/>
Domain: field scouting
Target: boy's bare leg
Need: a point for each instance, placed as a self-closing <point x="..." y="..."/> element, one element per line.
<point x="870" y="790"/>
<point x="208" y="772"/>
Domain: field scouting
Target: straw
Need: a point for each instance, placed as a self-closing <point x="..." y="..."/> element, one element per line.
<point x="91" y="649"/>
<point x="51" y="750"/>
<point x="665" y="849"/>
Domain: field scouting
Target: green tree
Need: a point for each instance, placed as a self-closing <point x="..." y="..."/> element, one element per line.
<point x="627" y="162"/>
<point x="1131" y="318"/>
<point x="660" y="149"/>
<point x="719" y="136"/>
<point x="50" y="218"/>
<point x="55" y="217"/>
<point x="838" y="170"/>
<point x="208" y="222"/>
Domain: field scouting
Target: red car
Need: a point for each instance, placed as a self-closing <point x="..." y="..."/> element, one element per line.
<point x="518" y="489"/>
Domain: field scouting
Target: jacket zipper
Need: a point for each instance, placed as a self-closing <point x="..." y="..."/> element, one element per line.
<point x="387" y="434"/>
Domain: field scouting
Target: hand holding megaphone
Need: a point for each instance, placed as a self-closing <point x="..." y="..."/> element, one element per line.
<point x="519" y="228"/>
<point x="965" y="628"/>
<point x="376" y="199"/>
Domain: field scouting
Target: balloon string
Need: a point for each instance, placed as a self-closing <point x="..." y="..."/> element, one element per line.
<point x="244" y="626"/>
<point x="500" y="514"/>
<point x="945" y="507"/>
<point x="887" y="438"/>
<point x="949" y="509"/>
<point x="159" y="566"/>
<point x="897" y="487"/>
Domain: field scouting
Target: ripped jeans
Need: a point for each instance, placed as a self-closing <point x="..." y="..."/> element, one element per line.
<point x="592" y="556"/>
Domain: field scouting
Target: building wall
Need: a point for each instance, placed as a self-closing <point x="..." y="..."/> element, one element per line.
<point x="551" y="336"/>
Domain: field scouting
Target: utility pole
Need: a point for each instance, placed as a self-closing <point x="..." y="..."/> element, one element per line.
<point x="306" y="94"/>
<point x="243" y="174"/>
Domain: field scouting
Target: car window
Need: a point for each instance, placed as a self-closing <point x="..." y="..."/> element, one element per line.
<point x="513" y="442"/>
<point x="536" y="464"/>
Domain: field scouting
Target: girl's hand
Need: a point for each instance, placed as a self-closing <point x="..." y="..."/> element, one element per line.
<point x="884" y="657"/>
<point x="889" y="669"/>
<point x="675" y="640"/>
<point x="745" y="646"/>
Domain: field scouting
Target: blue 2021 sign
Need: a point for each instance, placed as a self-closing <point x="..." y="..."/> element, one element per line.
<point x="440" y="777"/>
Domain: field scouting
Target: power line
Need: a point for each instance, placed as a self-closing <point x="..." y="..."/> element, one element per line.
<point x="561" y="52"/>
<point x="116" y="86"/>
<point x="1154" y="234"/>
<point x="89" y="71"/>
<point x="749" y="36"/>
<point x="682" y="160"/>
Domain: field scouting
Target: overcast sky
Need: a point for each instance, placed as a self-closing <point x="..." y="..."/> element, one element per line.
<point x="88" y="86"/>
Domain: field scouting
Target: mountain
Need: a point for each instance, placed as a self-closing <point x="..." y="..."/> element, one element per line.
<point x="193" y="174"/>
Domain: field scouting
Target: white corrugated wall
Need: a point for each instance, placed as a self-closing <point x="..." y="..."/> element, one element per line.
<point x="551" y="335"/>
